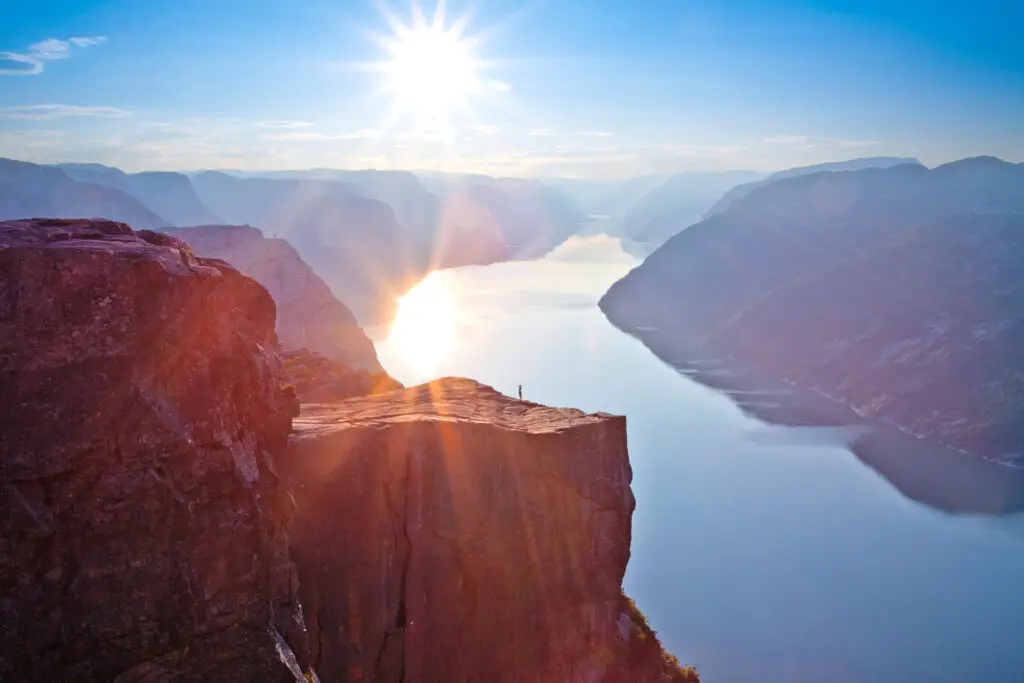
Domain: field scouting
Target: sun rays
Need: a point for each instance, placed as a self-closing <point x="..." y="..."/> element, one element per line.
<point x="431" y="71"/>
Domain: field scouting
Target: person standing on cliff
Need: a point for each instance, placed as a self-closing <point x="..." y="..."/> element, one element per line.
<point x="520" y="392"/>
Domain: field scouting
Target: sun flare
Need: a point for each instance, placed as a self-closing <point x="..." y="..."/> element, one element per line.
<point x="424" y="325"/>
<point x="431" y="70"/>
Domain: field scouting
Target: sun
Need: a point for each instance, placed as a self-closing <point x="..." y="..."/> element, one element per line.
<point x="431" y="70"/>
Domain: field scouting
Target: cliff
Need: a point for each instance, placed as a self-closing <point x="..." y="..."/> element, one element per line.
<point x="142" y="525"/>
<point x="309" y="316"/>
<point x="473" y="537"/>
<point x="894" y="291"/>
<point x="156" y="525"/>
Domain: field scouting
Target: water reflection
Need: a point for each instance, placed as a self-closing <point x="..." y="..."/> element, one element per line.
<point x="929" y="473"/>
<point x="424" y="326"/>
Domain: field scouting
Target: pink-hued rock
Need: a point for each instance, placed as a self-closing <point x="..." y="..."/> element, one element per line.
<point x="449" y="533"/>
<point x="142" y="524"/>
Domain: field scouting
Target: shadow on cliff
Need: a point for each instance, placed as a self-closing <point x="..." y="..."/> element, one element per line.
<point x="929" y="473"/>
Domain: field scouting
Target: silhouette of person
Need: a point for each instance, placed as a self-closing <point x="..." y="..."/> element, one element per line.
<point x="520" y="392"/>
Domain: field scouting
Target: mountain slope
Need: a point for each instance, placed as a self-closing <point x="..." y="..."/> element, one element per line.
<point x="897" y="291"/>
<point x="166" y="193"/>
<point x="308" y="315"/>
<point x="740" y="191"/>
<point x="29" y="190"/>
<point x="678" y="203"/>
<point x="354" y="243"/>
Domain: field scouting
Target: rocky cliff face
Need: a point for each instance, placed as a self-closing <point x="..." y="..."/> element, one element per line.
<point x="309" y="316"/>
<point x="472" y="537"/>
<point x="142" y="525"/>
<point x="895" y="291"/>
<point x="155" y="524"/>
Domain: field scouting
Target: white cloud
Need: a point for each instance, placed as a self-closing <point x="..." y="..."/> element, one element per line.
<point x="805" y="142"/>
<point x="540" y="132"/>
<point x="86" y="42"/>
<point x="303" y="136"/>
<point x="34" y="59"/>
<point x="498" y="86"/>
<point x="593" y="133"/>
<point x="59" y="111"/>
<point x="485" y="129"/>
<point x="283" y="124"/>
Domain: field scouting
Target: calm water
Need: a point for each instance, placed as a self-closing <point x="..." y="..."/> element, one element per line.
<point x="761" y="554"/>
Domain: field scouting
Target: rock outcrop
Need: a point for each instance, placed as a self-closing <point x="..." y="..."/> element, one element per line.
<point x="308" y="314"/>
<point x="894" y="291"/>
<point x="142" y="524"/>
<point x="449" y="533"/>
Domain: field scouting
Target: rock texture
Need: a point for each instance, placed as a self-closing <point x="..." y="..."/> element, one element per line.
<point x="142" y="525"/>
<point x="309" y="316"/>
<point x="449" y="533"/>
<point x="894" y="291"/>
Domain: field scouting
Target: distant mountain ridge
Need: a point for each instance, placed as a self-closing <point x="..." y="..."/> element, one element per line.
<point x="30" y="190"/>
<point x="895" y="290"/>
<point x="740" y="191"/>
<point x="167" y="193"/>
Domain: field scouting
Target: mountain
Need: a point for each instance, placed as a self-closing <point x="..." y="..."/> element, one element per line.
<point x="308" y="315"/>
<point x="743" y="190"/>
<point x="415" y="207"/>
<point x="169" y="194"/>
<point x="500" y="218"/>
<point x="678" y="203"/>
<point x="456" y="219"/>
<point x="896" y="291"/>
<point x="29" y="190"/>
<point x="354" y="243"/>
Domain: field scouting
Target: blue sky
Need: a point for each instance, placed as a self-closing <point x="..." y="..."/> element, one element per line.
<point x="570" y="87"/>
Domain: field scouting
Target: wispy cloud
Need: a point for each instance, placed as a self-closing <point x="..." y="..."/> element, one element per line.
<point x="805" y="142"/>
<point x="485" y="129"/>
<point x="593" y="133"/>
<point x="309" y="136"/>
<point x="59" y="111"/>
<point x="283" y="124"/>
<point x="540" y="132"/>
<point x="34" y="59"/>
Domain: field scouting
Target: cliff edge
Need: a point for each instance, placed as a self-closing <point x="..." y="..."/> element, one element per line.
<point x="472" y="537"/>
<point x="156" y="524"/>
